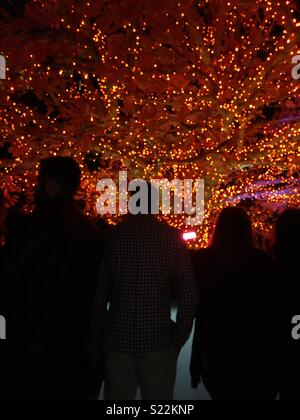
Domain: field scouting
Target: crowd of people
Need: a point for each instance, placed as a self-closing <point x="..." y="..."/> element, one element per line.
<point x="87" y="306"/>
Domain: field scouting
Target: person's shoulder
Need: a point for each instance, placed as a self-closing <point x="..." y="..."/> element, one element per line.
<point x="82" y="228"/>
<point x="171" y="230"/>
<point x="121" y="226"/>
<point x="115" y="232"/>
<point x="27" y="220"/>
<point x="22" y="225"/>
<point x="202" y="255"/>
<point x="88" y="224"/>
<point x="204" y="252"/>
<point x="260" y="257"/>
<point x="260" y="254"/>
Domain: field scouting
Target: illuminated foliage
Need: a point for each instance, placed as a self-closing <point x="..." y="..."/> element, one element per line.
<point x="197" y="89"/>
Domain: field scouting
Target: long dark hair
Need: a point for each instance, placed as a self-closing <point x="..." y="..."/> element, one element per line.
<point x="287" y="234"/>
<point x="233" y="233"/>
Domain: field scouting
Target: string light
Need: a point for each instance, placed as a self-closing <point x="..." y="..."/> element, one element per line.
<point x="198" y="89"/>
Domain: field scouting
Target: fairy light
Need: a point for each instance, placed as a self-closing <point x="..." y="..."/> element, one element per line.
<point x="194" y="92"/>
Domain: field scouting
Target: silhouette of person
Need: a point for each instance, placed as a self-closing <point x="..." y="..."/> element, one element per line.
<point x="102" y="224"/>
<point x="3" y="214"/>
<point x="55" y="261"/>
<point x="286" y="253"/>
<point x="140" y="341"/>
<point x="3" y="303"/>
<point x="234" y="344"/>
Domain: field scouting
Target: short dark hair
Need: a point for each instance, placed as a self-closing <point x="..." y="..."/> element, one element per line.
<point x="65" y="170"/>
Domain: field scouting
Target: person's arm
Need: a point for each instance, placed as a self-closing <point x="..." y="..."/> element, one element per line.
<point x="187" y="295"/>
<point x="99" y="309"/>
<point x="196" y="365"/>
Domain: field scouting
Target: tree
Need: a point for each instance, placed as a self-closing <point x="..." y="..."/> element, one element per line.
<point x="173" y="89"/>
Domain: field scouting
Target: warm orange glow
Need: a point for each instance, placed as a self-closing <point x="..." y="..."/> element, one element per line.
<point x="196" y="89"/>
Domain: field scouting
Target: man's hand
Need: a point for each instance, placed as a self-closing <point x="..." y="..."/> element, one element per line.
<point x="196" y="382"/>
<point x="95" y="358"/>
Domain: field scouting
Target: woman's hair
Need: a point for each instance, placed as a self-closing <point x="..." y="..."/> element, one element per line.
<point x="233" y="232"/>
<point x="288" y="231"/>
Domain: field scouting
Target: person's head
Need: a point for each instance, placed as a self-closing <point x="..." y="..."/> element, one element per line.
<point x="153" y="197"/>
<point x="149" y="196"/>
<point x="58" y="177"/>
<point x="288" y="231"/>
<point x="3" y="211"/>
<point x="233" y="231"/>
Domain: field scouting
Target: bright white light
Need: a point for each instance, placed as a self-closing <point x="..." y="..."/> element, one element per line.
<point x="188" y="236"/>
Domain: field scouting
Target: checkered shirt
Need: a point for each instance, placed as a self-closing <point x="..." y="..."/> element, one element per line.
<point x="132" y="311"/>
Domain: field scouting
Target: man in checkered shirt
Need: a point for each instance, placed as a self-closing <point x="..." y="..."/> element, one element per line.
<point x="144" y="262"/>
